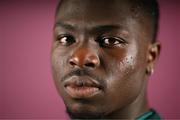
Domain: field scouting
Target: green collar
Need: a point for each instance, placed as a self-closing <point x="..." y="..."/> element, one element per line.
<point x="149" y="115"/>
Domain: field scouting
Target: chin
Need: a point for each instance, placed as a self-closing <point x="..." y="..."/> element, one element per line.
<point x="84" y="111"/>
<point x="85" y="114"/>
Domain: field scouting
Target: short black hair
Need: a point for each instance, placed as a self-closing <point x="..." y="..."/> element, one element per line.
<point x="148" y="7"/>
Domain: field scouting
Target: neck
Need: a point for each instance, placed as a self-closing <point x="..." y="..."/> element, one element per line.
<point x="134" y="109"/>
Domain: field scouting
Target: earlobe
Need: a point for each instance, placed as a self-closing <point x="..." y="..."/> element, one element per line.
<point x="149" y="70"/>
<point x="153" y="55"/>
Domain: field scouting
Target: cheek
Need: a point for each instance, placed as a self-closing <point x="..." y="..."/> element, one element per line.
<point x="124" y="63"/>
<point x="123" y="87"/>
<point x="58" y="63"/>
<point x="129" y="62"/>
<point x="122" y="72"/>
<point x="58" y="70"/>
<point x="125" y="79"/>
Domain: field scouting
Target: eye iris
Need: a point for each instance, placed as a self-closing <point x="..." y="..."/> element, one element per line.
<point x="66" y="40"/>
<point x="110" y="41"/>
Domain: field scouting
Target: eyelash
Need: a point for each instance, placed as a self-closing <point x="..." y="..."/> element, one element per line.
<point x="67" y="40"/>
<point x="116" y="41"/>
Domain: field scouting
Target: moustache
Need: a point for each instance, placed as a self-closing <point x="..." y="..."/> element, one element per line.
<point x="83" y="72"/>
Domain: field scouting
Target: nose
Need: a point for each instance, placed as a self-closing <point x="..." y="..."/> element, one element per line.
<point x="84" y="58"/>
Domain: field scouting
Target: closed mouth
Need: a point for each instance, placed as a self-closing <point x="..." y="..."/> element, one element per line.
<point x="82" y="87"/>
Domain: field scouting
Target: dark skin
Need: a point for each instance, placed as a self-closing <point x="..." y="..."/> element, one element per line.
<point x="102" y="41"/>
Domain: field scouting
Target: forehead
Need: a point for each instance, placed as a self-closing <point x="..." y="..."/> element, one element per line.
<point x="88" y="14"/>
<point x="94" y="10"/>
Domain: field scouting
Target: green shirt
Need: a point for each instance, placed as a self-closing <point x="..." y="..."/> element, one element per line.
<point x="152" y="114"/>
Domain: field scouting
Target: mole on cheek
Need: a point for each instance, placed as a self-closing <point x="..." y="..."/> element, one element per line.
<point x="126" y="65"/>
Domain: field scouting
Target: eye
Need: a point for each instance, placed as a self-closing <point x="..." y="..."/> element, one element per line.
<point x="66" y="40"/>
<point x="111" y="41"/>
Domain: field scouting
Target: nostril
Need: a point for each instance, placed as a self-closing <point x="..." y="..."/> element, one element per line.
<point x="92" y="61"/>
<point x="92" y="65"/>
<point x="72" y="63"/>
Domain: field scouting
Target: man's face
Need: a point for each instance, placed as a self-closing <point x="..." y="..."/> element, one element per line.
<point x="98" y="56"/>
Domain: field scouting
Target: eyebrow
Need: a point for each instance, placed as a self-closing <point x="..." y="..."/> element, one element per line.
<point x="96" y="28"/>
<point x="64" y="25"/>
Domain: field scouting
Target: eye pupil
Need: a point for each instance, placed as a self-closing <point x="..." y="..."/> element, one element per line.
<point x="66" y="40"/>
<point x="109" y="42"/>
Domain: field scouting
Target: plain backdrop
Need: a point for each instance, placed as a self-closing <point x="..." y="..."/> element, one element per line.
<point x="26" y="86"/>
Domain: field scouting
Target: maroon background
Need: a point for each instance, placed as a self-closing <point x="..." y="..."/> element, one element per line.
<point x="26" y="85"/>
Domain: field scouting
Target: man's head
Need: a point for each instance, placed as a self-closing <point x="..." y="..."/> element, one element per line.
<point x="102" y="54"/>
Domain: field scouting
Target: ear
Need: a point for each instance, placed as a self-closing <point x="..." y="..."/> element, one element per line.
<point x="152" y="56"/>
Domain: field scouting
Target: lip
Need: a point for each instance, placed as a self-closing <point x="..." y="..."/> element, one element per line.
<point x="82" y="87"/>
